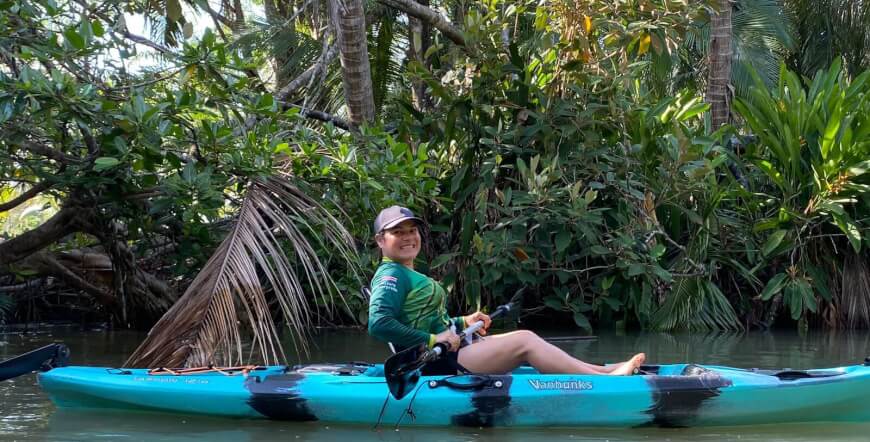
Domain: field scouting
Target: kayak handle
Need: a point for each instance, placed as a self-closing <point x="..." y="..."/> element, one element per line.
<point x="478" y="382"/>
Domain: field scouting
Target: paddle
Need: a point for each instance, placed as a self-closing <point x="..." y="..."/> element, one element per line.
<point x="402" y="369"/>
<point x="43" y="358"/>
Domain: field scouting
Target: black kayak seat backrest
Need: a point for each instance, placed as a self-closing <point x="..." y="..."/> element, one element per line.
<point x="794" y="375"/>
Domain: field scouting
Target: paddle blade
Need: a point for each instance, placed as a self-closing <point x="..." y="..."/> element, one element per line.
<point x="402" y="371"/>
<point x="516" y="301"/>
<point x="44" y="358"/>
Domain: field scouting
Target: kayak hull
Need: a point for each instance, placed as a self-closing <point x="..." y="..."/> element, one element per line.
<point x="679" y="395"/>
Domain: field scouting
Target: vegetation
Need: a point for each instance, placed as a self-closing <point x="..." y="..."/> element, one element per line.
<point x="565" y="146"/>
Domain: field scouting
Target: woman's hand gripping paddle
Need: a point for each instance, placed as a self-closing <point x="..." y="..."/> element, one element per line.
<point x="402" y="369"/>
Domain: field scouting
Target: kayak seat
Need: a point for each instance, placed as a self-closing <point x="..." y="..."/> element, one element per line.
<point x="695" y="370"/>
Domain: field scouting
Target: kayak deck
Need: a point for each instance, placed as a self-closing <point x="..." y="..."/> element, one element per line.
<point x="674" y="395"/>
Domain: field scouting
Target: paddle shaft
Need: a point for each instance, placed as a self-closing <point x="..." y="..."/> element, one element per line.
<point x="440" y="347"/>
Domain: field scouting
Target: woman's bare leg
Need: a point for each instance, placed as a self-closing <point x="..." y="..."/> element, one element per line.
<point x="502" y="353"/>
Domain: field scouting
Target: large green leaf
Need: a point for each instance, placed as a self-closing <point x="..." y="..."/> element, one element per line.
<point x="773" y="241"/>
<point x="774" y="285"/>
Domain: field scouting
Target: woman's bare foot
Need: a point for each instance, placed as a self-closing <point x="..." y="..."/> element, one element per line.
<point x="629" y="366"/>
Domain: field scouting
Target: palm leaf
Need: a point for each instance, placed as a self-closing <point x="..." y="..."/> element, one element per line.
<point x="828" y="29"/>
<point x="202" y="327"/>
<point x="762" y="35"/>
<point x="695" y="304"/>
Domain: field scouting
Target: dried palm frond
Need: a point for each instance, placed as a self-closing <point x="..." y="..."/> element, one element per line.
<point x="202" y="328"/>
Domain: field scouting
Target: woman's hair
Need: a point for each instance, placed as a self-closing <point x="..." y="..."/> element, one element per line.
<point x="379" y="254"/>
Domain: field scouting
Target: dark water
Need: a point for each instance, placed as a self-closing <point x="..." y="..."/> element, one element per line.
<point x="26" y="413"/>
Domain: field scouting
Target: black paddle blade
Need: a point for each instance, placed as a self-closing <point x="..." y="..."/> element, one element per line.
<point x="402" y="371"/>
<point x="44" y="358"/>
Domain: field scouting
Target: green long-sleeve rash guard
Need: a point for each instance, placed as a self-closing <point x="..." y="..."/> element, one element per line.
<point x="407" y="307"/>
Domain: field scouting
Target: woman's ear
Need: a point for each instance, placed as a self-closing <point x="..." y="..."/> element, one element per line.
<point x="379" y="240"/>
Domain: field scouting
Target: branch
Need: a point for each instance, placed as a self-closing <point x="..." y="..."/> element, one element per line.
<point x="46" y="151"/>
<point x="144" y="41"/>
<point x="309" y="73"/>
<point x="30" y="193"/>
<point x="136" y="38"/>
<point x="414" y="9"/>
<point x="328" y="118"/>
<point x="156" y="79"/>
<point x="32" y="241"/>
<point x="93" y="148"/>
<point x="216" y="16"/>
<point x="322" y="116"/>
<point x="48" y="265"/>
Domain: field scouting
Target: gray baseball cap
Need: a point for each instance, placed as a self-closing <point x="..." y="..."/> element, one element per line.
<point x="393" y="216"/>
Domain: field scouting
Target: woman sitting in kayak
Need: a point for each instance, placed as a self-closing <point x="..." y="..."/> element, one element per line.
<point x="407" y="309"/>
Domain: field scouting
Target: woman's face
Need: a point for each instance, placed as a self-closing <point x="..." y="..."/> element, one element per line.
<point x="400" y="243"/>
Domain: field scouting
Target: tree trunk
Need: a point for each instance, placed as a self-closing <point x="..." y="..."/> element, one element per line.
<point x="350" y="28"/>
<point x="719" y="77"/>
<point x="420" y="39"/>
<point x="276" y="13"/>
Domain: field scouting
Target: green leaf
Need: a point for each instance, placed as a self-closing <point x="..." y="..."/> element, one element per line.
<point x="849" y="228"/>
<point x="97" y="26"/>
<point x="103" y="163"/>
<point x="635" y="269"/>
<point x="809" y="298"/>
<point x="820" y="282"/>
<point x="689" y="112"/>
<point x="599" y="250"/>
<point x="582" y="322"/>
<point x="860" y="168"/>
<point x="554" y="302"/>
<point x="442" y="259"/>
<point x="75" y="40"/>
<point x="773" y="286"/>
<point x="663" y="274"/>
<point x="773" y="242"/>
<point x="563" y="240"/>
<point x="607" y="282"/>
<point x="658" y="251"/>
<point x="794" y="300"/>
<point x="831" y="132"/>
<point x="467" y="232"/>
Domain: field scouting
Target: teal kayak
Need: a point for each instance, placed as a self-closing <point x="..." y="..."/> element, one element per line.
<point x="677" y="395"/>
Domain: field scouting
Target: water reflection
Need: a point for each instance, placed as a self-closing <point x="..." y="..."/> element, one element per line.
<point x="27" y="414"/>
